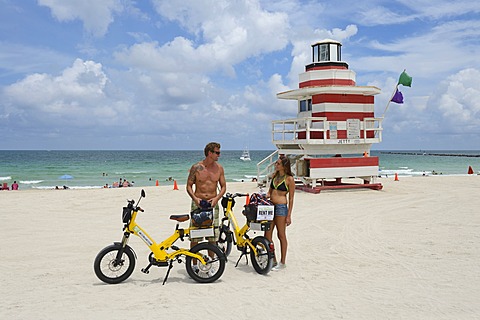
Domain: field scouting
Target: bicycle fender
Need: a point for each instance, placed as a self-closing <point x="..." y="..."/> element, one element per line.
<point x="127" y="247"/>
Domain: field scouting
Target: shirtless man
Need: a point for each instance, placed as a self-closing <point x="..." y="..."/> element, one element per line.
<point x="206" y="175"/>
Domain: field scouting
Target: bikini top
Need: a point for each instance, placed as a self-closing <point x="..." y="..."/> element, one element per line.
<point x="282" y="186"/>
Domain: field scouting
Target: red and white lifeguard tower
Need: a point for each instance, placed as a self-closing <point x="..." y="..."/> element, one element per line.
<point x="335" y="128"/>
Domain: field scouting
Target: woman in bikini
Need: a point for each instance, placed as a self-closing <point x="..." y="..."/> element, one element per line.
<point x="281" y="186"/>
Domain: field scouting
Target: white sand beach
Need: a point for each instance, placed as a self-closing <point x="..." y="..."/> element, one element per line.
<point x="409" y="251"/>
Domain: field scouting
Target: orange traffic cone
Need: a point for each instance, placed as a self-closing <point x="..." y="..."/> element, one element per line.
<point x="156" y="183"/>
<point x="396" y="177"/>
<point x="470" y="170"/>
<point x="175" y="187"/>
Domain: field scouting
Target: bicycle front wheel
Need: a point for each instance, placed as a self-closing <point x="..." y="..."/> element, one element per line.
<point x="263" y="260"/>
<point x="225" y="239"/>
<point x="212" y="270"/>
<point x="109" y="269"/>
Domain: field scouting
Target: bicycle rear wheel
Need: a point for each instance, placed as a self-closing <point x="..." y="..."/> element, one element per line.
<point x="263" y="260"/>
<point x="210" y="272"/>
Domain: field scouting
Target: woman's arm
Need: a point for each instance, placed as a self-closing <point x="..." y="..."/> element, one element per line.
<point x="291" y="196"/>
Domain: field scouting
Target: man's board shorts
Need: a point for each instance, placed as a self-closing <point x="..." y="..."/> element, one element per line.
<point x="216" y="223"/>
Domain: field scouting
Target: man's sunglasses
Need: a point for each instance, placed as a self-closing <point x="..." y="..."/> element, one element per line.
<point x="217" y="152"/>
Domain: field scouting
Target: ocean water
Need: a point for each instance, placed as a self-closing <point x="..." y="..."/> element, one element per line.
<point x="94" y="169"/>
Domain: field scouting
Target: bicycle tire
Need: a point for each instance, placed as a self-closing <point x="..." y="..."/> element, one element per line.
<point x="214" y="268"/>
<point x="225" y="240"/>
<point x="262" y="261"/>
<point x="108" y="270"/>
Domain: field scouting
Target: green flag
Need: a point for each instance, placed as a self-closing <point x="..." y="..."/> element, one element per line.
<point x="405" y="80"/>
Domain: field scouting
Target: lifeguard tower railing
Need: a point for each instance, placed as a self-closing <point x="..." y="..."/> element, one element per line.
<point x="319" y="130"/>
<point x="300" y="137"/>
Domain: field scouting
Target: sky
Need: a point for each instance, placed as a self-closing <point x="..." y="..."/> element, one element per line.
<point x="175" y="75"/>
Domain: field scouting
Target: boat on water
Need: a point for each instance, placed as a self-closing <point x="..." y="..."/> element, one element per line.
<point x="245" y="155"/>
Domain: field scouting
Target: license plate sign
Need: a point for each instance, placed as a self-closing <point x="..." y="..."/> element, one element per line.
<point x="265" y="213"/>
<point x="200" y="233"/>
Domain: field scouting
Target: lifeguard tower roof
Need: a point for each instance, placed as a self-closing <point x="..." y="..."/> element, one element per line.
<point x="327" y="41"/>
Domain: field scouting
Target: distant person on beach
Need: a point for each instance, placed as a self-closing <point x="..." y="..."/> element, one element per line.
<point x="206" y="175"/>
<point x="281" y="193"/>
<point x="14" y="185"/>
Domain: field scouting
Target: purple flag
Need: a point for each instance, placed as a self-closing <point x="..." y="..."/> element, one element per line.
<point x="397" y="97"/>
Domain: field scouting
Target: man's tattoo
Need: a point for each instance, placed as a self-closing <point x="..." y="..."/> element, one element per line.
<point x="192" y="176"/>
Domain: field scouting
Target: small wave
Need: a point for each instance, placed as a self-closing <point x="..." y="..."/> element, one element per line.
<point x="398" y="171"/>
<point x="5" y="178"/>
<point x="130" y="172"/>
<point x="69" y="187"/>
<point x="251" y="177"/>
<point x="404" y="172"/>
<point x="31" y="181"/>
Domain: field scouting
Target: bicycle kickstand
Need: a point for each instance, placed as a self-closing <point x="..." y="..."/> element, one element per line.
<point x="170" y="266"/>
<point x="244" y="253"/>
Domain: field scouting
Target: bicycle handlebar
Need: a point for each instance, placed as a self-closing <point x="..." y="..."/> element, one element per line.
<point x="229" y="195"/>
<point x="131" y="204"/>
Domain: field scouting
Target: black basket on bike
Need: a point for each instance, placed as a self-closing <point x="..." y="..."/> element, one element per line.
<point x="202" y="218"/>
<point x="251" y="210"/>
<point x="126" y="214"/>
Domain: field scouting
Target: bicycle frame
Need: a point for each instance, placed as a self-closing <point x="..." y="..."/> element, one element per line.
<point x="159" y="249"/>
<point x="241" y="236"/>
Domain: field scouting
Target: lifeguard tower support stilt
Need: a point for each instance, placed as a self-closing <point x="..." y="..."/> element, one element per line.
<point x="331" y="138"/>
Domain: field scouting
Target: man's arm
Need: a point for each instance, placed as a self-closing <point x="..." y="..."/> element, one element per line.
<point x="223" y="187"/>
<point x="190" y="182"/>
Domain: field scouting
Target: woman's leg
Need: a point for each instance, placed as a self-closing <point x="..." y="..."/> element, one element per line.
<point x="281" y="224"/>
<point x="269" y="236"/>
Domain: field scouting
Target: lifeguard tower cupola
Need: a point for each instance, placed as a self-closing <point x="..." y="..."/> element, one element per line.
<point x="335" y="128"/>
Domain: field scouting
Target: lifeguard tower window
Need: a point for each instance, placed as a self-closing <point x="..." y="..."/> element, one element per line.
<point x="321" y="52"/>
<point x="305" y="105"/>
<point x="326" y="52"/>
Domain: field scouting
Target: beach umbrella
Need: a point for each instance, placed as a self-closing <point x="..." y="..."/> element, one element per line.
<point x="65" y="177"/>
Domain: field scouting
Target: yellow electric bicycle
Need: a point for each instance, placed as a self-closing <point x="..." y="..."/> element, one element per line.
<point x="205" y="262"/>
<point x="259" y="248"/>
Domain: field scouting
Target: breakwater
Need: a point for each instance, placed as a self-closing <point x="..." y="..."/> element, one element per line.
<point x="420" y="153"/>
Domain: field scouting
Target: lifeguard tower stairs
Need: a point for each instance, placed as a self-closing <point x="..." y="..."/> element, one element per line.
<point x="330" y="140"/>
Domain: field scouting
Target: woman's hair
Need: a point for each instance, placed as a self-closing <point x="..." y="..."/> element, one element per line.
<point x="286" y="165"/>
<point x="211" y="147"/>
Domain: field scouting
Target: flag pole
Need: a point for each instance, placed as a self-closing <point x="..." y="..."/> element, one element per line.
<point x="390" y="100"/>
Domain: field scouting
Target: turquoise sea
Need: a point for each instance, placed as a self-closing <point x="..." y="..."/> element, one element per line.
<point x="93" y="169"/>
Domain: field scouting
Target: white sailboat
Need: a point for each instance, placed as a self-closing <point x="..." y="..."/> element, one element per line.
<point x="245" y="155"/>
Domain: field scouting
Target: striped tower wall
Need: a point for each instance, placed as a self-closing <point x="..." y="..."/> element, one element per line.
<point x="336" y="107"/>
<point x="342" y="167"/>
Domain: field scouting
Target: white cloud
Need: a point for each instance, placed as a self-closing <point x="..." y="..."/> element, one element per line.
<point x="76" y="96"/>
<point x="225" y="32"/>
<point x="457" y="103"/>
<point x="95" y="15"/>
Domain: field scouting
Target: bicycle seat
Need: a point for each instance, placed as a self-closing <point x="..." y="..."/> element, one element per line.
<point x="180" y="217"/>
